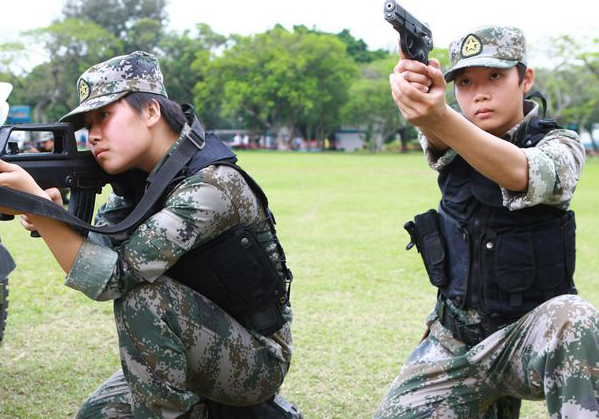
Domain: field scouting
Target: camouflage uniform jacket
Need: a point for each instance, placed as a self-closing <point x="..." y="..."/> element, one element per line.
<point x="543" y="355"/>
<point x="198" y="209"/>
<point x="554" y="166"/>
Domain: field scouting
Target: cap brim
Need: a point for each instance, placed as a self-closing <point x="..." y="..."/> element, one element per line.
<point x="478" y="62"/>
<point x="75" y="117"/>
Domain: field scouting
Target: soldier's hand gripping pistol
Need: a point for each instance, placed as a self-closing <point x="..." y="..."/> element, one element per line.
<point x="416" y="39"/>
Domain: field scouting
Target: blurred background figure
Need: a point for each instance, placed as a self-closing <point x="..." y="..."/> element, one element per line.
<point x="45" y="144"/>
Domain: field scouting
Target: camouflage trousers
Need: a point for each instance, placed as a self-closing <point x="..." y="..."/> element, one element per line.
<point x="551" y="353"/>
<point x="177" y="349"/>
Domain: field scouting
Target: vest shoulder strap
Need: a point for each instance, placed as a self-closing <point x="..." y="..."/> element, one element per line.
<point x="533" y="131"/>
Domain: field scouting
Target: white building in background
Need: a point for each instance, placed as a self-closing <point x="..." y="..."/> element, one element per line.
<point x="348" y="139"/>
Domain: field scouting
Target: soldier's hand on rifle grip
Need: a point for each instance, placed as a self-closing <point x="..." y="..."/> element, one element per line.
<point x="14" y="177"/>
<point x="55" y="196"/>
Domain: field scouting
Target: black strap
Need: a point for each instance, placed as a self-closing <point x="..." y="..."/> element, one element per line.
<point x="539" y="95"/>
<point x="470" y="334"/>
<point x="32" y="204"/>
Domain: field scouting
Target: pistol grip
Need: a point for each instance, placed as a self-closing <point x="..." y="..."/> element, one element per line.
<point x="412" y="51"/>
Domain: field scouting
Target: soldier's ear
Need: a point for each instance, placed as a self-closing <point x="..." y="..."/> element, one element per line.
<point x="152" y="113"/>
<point x="528" y="80"/>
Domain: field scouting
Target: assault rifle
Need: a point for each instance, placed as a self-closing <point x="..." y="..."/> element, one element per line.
<point x="416" y="39"/>
<point x="67" y="167"/>
<point x="64" y="167"/>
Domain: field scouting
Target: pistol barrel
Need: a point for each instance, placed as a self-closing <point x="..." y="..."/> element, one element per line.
<point x="416" y="37"/>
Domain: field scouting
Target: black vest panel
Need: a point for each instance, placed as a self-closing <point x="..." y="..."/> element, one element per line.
<point x="243" y="270"/>
<point x="500" y="261"/>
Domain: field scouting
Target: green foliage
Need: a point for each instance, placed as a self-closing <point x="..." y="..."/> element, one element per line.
<point x="441" y="54"/>
<point x="10" y="53"/>
<point x="183" y="61"/>
<point x="75" y="38"/>
<point x="144" y="35"/>
<point x="572" y="87"/>
<point x="303" y="82"/>
<point x="73" y="45"/>
<point x="125" y="19"/>
<point x="370" y="105"/>
<point x="279" y="79"/>
<point x="358" y="50"/>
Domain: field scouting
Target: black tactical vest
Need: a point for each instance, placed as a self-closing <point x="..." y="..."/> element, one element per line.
<point x="243" y="270"/>
<point x="502" y="262"/>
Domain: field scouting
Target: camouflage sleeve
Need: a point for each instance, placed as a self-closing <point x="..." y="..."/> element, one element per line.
<point x="194" y="211"/>
<point x="554" y="168"/>
<point x="114" y="210"/>
<point x="435" y="161"/>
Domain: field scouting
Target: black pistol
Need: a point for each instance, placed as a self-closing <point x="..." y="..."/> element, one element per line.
<point x="416" y="37"/>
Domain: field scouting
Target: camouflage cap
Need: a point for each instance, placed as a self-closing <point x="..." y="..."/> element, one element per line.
<point x="46" y="136"/>
<point x="489" y="46"/>
<point x="110" y="80"/>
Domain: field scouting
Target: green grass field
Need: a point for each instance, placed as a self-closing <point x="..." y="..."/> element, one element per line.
<point x="359" y="298"/>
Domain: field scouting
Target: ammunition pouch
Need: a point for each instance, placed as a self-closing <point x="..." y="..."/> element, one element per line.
<point x="425" y="233"/>
<point x="524" y="267"/>
<point x="234" y="271"/>
<point x="502" y="269"/>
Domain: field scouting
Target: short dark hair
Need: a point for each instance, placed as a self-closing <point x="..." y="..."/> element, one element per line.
<point x="521" y="72"/>
<point x="169" y="109"/>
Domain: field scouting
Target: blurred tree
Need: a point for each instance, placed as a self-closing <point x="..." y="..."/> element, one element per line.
<point x="144" y="35"/>
<point x="442" y="54"/>
<point x="72" y="45"/>
<point x="371" y="107"/>
<point x="358" y="50"/>
<point x="138" y="23"/>
<point x="572" y="87"/>
<point x="278" y="79"/>
<point x="12" y="71"/>
<point x="12" y="55"/>
<point x="183" y="60"/>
